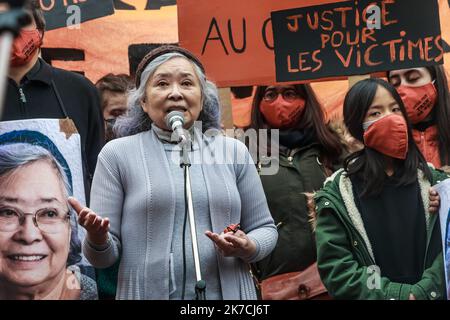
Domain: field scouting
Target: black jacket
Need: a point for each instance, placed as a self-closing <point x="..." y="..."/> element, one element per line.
<point x="48" y="92"/>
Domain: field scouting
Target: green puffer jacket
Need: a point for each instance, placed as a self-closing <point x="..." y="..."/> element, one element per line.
<point x="344" y="254"/>
<point x="300" y="170"/>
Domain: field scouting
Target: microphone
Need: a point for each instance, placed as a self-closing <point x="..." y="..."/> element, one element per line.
<point x="175" y="121"/>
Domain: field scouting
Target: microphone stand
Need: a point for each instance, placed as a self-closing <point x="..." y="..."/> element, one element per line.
<point x="11" y="22"/>
<point x="185" y="163"/>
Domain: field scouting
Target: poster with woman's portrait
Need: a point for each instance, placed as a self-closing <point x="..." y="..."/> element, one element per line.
<point x="40" y="239"/>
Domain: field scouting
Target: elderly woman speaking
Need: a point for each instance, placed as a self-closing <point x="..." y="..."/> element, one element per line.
<point x="138" y="203"/>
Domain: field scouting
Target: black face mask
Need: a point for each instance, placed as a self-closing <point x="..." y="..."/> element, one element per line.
<point x="109" y="124"/>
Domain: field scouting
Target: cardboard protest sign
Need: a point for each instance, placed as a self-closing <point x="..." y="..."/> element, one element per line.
<point x="356" y="38"/>
<point x="113" y="43"/>
<point x="60" y="138"/>
<point x="63" y="13"/>
<point x="233" y="38"/>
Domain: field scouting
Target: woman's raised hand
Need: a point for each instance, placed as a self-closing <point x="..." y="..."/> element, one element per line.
<point x="97" y="227"/>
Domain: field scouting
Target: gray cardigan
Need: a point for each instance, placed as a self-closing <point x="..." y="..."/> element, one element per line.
<point x="132" y="186"/>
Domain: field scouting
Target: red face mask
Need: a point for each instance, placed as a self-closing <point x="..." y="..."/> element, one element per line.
<point x="24" y="46"/>
<point x="389" y="136"/>
<point x="419" y="101"/>
<point x="282" y="114"/>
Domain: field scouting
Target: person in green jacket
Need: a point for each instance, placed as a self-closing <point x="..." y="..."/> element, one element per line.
<point x="308" y="149"/>
<point x="376" y="235"/>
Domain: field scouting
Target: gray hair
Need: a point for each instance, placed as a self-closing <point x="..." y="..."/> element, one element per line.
<point x="16" y="155"/>
<point x="136" y="120"/>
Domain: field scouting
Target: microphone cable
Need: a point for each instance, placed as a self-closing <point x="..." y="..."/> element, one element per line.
<point x="184" y="237"/>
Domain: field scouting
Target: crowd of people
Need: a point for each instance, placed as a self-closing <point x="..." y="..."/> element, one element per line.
<point x="348" y="214"/>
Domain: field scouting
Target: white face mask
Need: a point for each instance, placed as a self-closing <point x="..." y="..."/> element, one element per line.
<point x="367" y="124"/>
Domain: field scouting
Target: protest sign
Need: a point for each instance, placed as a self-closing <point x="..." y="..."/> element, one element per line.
<point x="113" y="43"/>
<point x="239" y="35"/>
<point x="443" y="189"/>
<point x="233" y="38"/>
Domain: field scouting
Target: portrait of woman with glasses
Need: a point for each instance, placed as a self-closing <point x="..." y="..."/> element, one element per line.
<point x="37" y="237"/>
<point x="308" y="152"/>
